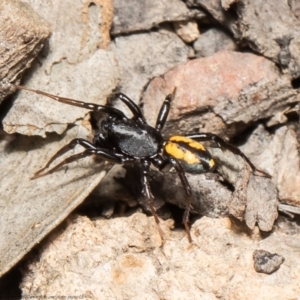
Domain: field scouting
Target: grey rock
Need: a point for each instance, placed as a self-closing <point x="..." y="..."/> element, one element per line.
<point x="212" y="41"/>
<point x="266" y="262"/>
<point x="146" y="55"/>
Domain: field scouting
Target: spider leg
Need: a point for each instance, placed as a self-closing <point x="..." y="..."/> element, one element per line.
<point x="164" y="111"/>
<point x="90" y="106"/>
<point x="223" y="144"/>
<point x="136" y="111"/>
<point x="148" y="194"/>
<point x="66" y="148"/>
<point x="66" y="161"/>
<point x="106" y="154"/>
<point x="189" y="195"/>
<point x="164" y="165"/>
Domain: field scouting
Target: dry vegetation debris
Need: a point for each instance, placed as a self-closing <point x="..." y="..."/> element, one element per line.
<point x="249" y="95"/>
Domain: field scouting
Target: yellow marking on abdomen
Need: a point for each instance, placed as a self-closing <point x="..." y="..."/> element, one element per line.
<point x="187" y="156"/>
<point x="190" y="142"/>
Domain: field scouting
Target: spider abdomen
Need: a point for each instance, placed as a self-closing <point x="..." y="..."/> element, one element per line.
<point x="192" y="155"/>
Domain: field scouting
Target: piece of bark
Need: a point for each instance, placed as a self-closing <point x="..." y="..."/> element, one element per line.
<point x="278" y="154"/>
<point x="128" y="17"/>
<point x="238" y="203"/>
<point x="34" y="114"/>
<point x="23" y="33"/>
<point x="30" y="209"/>
<point x="79" y="28"/>
<point x="274" y="32"/>
<point x="73" y="67"/>
<point x="227" y="88"/>
<point x="220" y="11"/>
<point x="270" y="28"/>
<point x="262" y="203"/>
<point x="255" y="198"/>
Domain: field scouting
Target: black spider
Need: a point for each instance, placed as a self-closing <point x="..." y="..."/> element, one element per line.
<point x="124" y="140"/>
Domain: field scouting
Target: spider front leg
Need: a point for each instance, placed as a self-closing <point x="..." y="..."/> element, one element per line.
<point x="135" y="110"/>
<point x="164" y="111"/>
<point x="203" y="137"/>
<point x="90" y="106"/>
